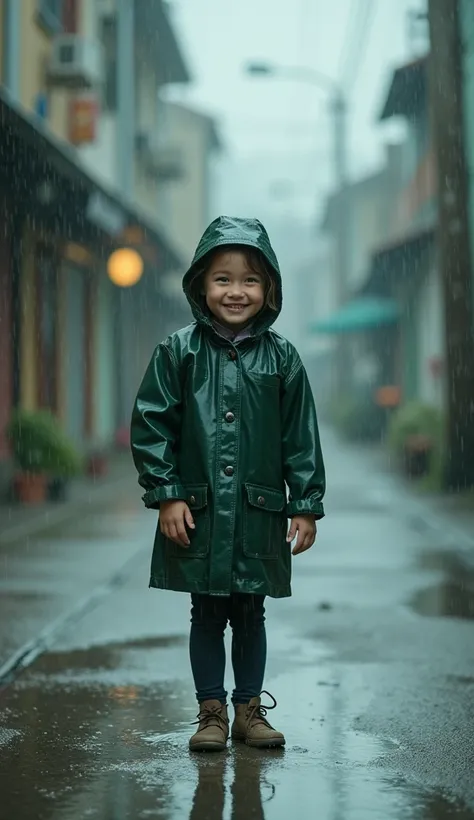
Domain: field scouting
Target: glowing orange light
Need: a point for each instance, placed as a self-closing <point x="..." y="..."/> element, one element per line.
<point x="125" y="267"/>
<point x="388" y="396"/>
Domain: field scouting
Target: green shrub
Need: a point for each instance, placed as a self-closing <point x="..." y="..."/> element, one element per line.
<point x="40" y="446"/>
<point x="414" y="421"/>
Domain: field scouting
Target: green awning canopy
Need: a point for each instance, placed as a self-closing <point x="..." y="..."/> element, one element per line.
<point x="359" y="315"/>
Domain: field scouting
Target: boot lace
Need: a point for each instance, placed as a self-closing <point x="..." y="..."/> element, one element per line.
<point x="210" y="716"/>
<point x="258" y="714"/>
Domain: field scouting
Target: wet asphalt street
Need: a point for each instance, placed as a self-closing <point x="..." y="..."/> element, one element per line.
<point x="371" y="662"/>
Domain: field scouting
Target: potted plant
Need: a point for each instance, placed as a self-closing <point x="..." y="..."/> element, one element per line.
<point x="416" y="436"/>
<point x="42" y="453"/>
<point x="65" y="463"/>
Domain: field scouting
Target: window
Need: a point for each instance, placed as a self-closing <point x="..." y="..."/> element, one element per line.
<point x="50" y="15"/>
<point x="109" y="41"/>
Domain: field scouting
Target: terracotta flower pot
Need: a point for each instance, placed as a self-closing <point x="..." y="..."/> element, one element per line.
<point x="31" y="488"/>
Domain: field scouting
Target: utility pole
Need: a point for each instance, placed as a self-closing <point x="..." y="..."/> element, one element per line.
<point x="11" y="67"/>
<point x="125" y="78"/>
<point x="339" y="115"/>
<point x="338" y="110"/>
<point x="341" y="235"/>
<point x="453" y="238"/>
<point x="125" y="95"/>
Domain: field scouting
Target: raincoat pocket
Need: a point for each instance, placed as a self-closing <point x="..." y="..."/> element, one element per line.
<point x="264" y="522"/>
<point x="199" y="537"/>
<point x="265" y="379"/>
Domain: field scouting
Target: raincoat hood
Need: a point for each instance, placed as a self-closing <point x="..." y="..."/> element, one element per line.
<point x="228" y="230"/>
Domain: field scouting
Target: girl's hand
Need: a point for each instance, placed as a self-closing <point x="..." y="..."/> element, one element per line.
<point x="174" y="515"/>
<point x="305" y="526"/>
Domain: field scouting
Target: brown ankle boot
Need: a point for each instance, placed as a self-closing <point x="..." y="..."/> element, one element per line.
<point x="213" y="728"/>
<point x="251" y="726"/>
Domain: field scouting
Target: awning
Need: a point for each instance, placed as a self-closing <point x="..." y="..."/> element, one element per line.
<point x="43" y="173"/>
<point x="407" y="90"/>
<point x="358" y="316"/>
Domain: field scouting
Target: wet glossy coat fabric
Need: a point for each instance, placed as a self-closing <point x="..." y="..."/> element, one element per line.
<point x="225" y="427"/>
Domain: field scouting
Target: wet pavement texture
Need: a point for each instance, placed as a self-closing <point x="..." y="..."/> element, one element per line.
<point x="371" y="661"/>
<point x="48" y="573"/>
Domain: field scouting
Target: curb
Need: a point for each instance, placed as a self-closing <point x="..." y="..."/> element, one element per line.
<point x="35" y="647"/>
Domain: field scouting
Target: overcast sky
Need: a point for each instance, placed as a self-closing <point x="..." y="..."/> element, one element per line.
<point x="285" y="123"/>
<point x="278" y="161"/>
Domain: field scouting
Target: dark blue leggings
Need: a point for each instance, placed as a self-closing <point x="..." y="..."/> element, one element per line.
<point x="209" y="617"/>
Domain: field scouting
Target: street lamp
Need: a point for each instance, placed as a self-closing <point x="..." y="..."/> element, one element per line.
<point x="125" y="267"/>
<point x="317" y="78"/>
<point x="314" y="77"/>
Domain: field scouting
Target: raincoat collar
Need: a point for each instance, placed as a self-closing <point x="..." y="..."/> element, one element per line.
<point x="233" y="335"/>
<point x="227" y="230"/>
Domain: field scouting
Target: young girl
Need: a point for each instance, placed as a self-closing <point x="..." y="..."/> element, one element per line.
<point x="223" y="420"/>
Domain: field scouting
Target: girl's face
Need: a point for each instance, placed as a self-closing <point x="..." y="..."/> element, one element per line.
<point x="234" y="293"/>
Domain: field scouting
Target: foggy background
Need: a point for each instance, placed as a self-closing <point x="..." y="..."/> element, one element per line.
<point x="278" y="155"/>
<point x="347" y="128"/>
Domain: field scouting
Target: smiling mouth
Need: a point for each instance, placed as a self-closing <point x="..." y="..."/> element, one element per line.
<point x="235" y="308"/>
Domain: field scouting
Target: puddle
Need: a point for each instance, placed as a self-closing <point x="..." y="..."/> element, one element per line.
<point x="103" y="732"/>
<point x="453" y="595"/>
<point x="121" y="751"/>
<point x="104" y="657"/>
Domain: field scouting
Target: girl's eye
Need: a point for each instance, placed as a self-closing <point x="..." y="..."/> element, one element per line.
<point x="254" y="280"/>
<point x="221" y="279"/>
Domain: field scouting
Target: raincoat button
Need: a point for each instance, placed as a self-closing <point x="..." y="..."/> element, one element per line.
<point x="229" y="417"/>
<point x="229" y="471"/>
<point x="232" y="355"/>
<point x="261" y="500"/>
<point x="192" y="499"/>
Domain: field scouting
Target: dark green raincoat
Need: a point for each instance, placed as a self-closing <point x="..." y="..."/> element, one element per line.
<point x="224" y="427"/>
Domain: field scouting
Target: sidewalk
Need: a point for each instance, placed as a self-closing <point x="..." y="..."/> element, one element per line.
<point x="18" y="520"/>
<point x="454" y="512"/>
<point x="58" y="560"/>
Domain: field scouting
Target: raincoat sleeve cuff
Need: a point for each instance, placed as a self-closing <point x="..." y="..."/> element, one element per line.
<point x="167" y="492"/>
<point x="307" y="506"/>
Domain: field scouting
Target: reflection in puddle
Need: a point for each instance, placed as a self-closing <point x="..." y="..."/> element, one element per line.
<point x="122" y="752"/>
<point x="453" y="595"/>
<point x="97" y="733"/>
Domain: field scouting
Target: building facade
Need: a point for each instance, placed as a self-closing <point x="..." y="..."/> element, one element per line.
<point x="406" y="267"/>
<point x="371" y="204"/>
<point x="82" y="168"/>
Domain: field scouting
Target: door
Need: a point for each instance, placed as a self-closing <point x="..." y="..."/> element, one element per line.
<point x="46" y="326"/>
<point x="75" y="370"/>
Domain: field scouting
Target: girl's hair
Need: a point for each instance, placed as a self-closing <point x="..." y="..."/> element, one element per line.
<point x="256" y="263"/>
